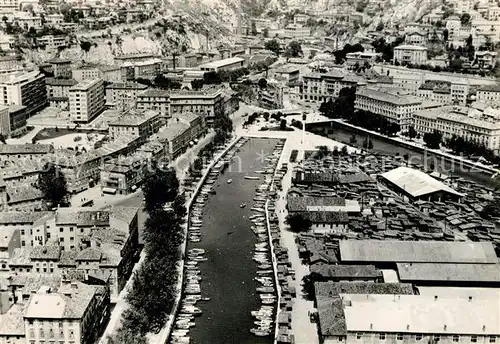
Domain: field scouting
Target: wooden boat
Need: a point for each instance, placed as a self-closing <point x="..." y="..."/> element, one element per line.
<point x="243" y="205"/>
<point x="229" y="181"/>
<point x="252" y="177"/>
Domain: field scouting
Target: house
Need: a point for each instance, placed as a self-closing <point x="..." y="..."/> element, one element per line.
<point x="327" y="222"/>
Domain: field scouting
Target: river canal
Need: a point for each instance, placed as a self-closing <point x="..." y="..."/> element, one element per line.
<point x="342" y="134"/>
<point x="228" y="274"/>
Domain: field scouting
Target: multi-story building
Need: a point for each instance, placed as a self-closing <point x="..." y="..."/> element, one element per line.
<point x="322" y="87"/>
<point x="86" y="100"/>
<point x="61" y="68"/>
<point x="225" y="64"/>
<point x="416" y="38"/>
<point x="58" y="91"/>
<point x="9" y="6"/>
<point x="85" y="72"/>
<point x="297" y="31"/>
<point x="73" y="313"/>
<point x="52" y="42"/>
<point x="7" y="42"/>
<point x="136" y="123"/>
<point x="123" y="95"/>
<point x="393" y="106"/>
<point x="26" y="21"/>
<point x="110" y="73"/>
<point x="146" y="69"/>
<point x="54" y="19"/>
<point x="17" y="114"/>
<point x="208" y="102"/>
<point x="412" y="54"/>
<point x="4" y="121"/>
<point x="459" y="92"/>
<point x="10" y="153"/>
<point x="436" y="91"/>
<point x="488" y="94"/>
<point x="382" y="318"/>
<point x="123" y="175"/>
<point x="27" y="89"/>
<point x="181" y="130"/>
<point x="486" y="59"/>
<point x="10" y="64"/>
<point x="468" y="123"/>
<point x="154" y="99"/>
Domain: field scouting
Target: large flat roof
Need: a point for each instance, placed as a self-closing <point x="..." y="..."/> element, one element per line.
<point x="415" y="182"/>
<point x="420" y="314"/>
<point x="221" y="63"/>
<point x="449" y="272"/>
<point x="417" y="251"/>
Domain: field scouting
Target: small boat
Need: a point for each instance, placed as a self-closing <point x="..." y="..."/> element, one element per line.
<point x="252" y="177"/>
<point x="229" y="181"/>
<point x="243" y="205"/>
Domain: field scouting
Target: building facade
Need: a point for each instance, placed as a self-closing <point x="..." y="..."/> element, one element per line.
<point x="208" y="103"/>
<point x="86" y="100"/>
<point x="123" y="95"/>
<point x="27" y="89"/>
<point x="412" y="54"/>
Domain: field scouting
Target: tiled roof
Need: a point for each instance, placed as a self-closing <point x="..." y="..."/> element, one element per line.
<point x="46" y="252"/>
<point x="331" y="217"/>
<point x="27" y="148"/>
<point x="21" y="257"/>
<point x="124" y="213"/>
<point x="154" y="92"/>
<point x="24" y="194"/>
<point x="12" y="322"/>
<point x="6" y="235"/>
<point x="89" y="254"/>
<point x="60" y="82"/>
<point x="21" y="217"/>
<point x="127" y="85"/>
<point x="347" y="271"/>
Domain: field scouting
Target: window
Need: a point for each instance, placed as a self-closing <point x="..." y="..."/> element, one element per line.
<point x="399" y="336"/>
<point x="359" y="335"/>
<point x="436" y="338"/>
<point x="381" y="336"/>
<point x="473" y="339"/>
<point x="493" y="339"/>
<point x="418" y="336"/>
<point x="456" y="338"/>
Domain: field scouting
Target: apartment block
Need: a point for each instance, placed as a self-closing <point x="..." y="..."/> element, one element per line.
<point x="154" y="99"/>
<point x="388" y="103"/>
<point x="488" y="94"/>
<point x="412" y="54"/>
<point x="135" y="123"/>
<point x="322" y="87"/>
<point x="207" y="102"/>
<point x="85" y="72"/>
<point x="27" y="89"/>
<point x="123" y="95"/>
<point x="471" y="124"/>
<point x="4" y="121"/>
<point x="86" y="100"/>
<point x="61" y="68"/>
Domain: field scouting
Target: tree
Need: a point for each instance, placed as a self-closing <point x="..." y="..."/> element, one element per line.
<point x="160" y="186"/>
<point x="262" y="83"/>
<point x="265" y="32"/>
<point x="380" y="26"/>
<point x="254" y="29"/>
<point x="52" y="183"/>
<point x="465" y="18"/>
<point x="197" y="84"/>
<point x="445" y="35"/>
<point x="85" y="46"/>
<point x="323" y="151"/>
<point x="298" y="223"/>
<point x="283" y="124"/>
<point x="2" y="139"/>
<point x="344" y="151"/>
<point x="273" y="45"/>
<point x="412" y="133"/>
<point x="433" y="140"/>
<point x="294" y="49"/>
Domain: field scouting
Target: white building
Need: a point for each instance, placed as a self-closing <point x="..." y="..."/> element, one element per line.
<point x="297" y="31"/>
<point x="413" y="54"/>
<point x="86" y="100"/>
<point x="83" y="73"/>
<point x="471" y="124"/>
<point x="488" y="94"/>
<point x="322" y="87"/>
<point x="388" y="103"/>
<point x="27" y="89"/>
<point x="226" y="64"/>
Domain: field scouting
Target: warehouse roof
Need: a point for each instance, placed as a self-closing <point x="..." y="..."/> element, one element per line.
<point x="420" y="314"/>
<point x="417" y="251"/>
<point x="449" y="272"/>
<point x="415" y="182"/>
<point x="221" y="63"/>
<point x="346" y="271"/>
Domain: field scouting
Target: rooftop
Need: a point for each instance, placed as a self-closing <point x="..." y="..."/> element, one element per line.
<point x="27" y="148"/>
<point x="154" y="92"/>
<point x="172" y="131"/>
<point x="417" y="251"/>
<point x="398" y="314"/>
<point x="388" y="96"/>
<point x="60" y="82"/>
<point x="449" y="272"/>
<point x="134" y="118"/>
<point x="6" y="236"/>
<point x="327" y="216"/>
<point x="21" y="217"/>
<point x="127" y="86"/>
<point x="346" y="271"/>
<point x="221" y="63"/>
<point x="57" y="60"/>
<point x="415" y="182"/>
<point x="85" y="85"/>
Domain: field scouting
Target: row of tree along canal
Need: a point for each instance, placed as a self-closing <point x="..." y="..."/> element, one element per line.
<point x="381" y="145"/>
<point x="229" y="287"/>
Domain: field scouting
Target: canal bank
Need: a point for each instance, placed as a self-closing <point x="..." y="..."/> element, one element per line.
<point x="227" y="276"/>
<point x="430" y="159"/>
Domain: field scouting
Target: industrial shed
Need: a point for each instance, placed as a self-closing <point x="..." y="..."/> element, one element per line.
<point x="463" y="275"/>
<point x="394" y="251"/>
<point x="415" y="185"/>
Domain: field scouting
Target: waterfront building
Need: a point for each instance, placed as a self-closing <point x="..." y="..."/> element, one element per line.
<point x="180" y="133"/>
<point x="136" y="123"/>
<point x="86" y="100"/>
<point x="208" y="102"/>
<point x="27" y="89"/>
<point x="412" y="54"/>
<point x="415" y="185"/>
<point x="322" y="87"/>
<point x="123" y="95"/>
<point x="388" y="103"/>
<point x="468" y="123"/>
<point x="376" y="318"/>
<point x="225" y="64"/>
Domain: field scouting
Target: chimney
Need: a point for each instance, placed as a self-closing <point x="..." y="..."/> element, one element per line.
<point x="484" y="327"/>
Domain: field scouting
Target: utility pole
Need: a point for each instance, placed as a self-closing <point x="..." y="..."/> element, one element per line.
<point x="174" y="55"/>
